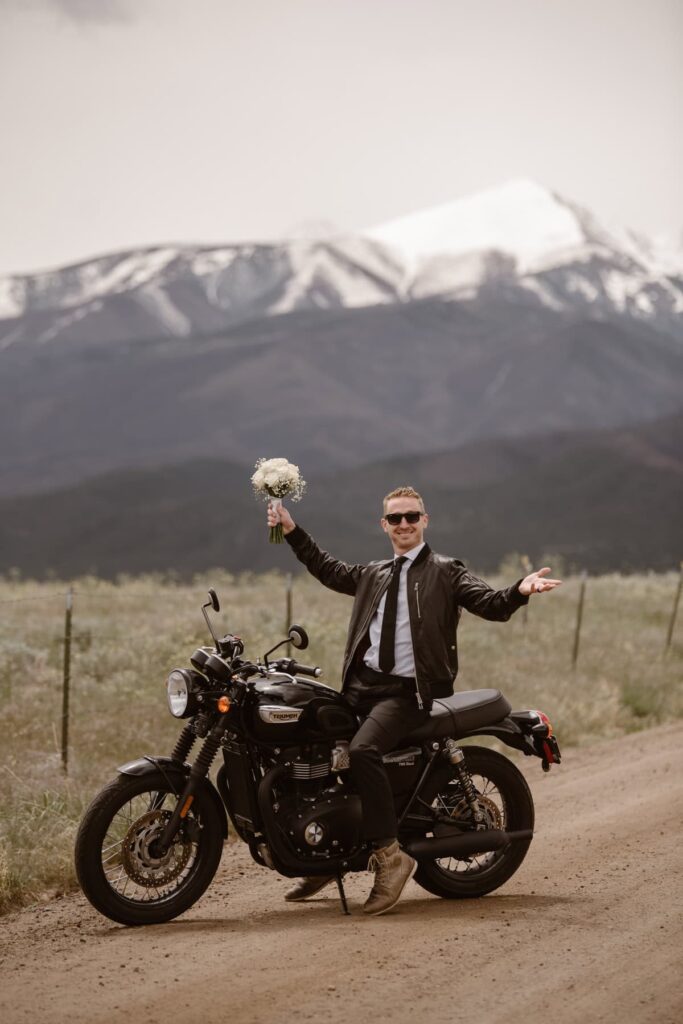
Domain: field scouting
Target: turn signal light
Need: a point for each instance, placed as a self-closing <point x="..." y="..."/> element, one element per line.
<point x="546" y="721"/>
<point x="223" y="704"/>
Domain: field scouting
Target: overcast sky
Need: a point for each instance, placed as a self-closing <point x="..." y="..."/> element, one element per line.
<point x="133" y="122"/>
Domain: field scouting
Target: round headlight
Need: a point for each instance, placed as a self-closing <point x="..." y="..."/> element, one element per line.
<point x="177" y="693"/>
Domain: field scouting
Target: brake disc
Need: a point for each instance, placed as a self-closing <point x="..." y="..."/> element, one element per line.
<point x="493" y="817"/>
<point x="139" y="863"/>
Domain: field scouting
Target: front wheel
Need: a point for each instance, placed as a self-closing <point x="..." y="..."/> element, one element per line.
<point x="116" y="863"/>
<point x="505" y="799"/>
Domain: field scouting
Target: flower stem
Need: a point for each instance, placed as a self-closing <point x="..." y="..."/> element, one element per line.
<point x="276" y="535"/>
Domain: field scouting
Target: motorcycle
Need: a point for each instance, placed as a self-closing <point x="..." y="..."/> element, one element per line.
<point x="151" y="841"/>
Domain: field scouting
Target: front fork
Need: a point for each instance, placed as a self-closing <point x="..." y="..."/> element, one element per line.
<point x="198" y="772"/>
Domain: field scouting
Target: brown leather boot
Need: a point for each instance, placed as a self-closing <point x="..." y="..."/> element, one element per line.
<point x="305" y="887"/>
<point x="393" y="869"/>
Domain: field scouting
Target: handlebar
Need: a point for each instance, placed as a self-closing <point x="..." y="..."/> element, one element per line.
<point x="296" y="668"/>
<point x="307" y="670"/>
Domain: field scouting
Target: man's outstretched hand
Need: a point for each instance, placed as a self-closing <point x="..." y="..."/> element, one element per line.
<point x="535" y="583"/>
<point x="280" y="515"/>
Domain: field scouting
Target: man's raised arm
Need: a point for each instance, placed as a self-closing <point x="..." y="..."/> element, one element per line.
<point x="339" y="576"/>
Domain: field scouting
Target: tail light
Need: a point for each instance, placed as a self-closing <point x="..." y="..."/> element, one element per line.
<point x="544" y="741"/>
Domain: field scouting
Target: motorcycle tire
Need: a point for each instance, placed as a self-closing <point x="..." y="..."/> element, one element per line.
<point x="508" y="805"/>
<point x="115" y="865"/>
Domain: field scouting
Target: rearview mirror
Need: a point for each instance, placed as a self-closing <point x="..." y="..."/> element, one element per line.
<point x="298" y="637"/>
<point x="213" y="598"/>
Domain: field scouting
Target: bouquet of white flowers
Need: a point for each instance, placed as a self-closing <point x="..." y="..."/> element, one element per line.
<point x="274" y="480"/>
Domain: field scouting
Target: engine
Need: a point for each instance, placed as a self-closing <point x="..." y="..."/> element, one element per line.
<point x="316" y="809"/>
<point x="323" y="825"/>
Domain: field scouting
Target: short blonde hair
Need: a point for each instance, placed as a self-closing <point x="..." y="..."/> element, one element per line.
<point x="403" y="492"/>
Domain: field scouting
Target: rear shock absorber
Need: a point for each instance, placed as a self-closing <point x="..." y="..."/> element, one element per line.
<point x="456" y="756"/>
<point x="184" y="744"/>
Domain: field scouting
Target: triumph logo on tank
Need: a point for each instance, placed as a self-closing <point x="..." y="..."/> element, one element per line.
<point x="275" y="715"/>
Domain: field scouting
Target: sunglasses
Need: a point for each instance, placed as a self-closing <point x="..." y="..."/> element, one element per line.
<point x="394" y="518"/>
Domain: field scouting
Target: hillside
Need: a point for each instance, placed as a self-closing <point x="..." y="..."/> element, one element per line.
<point x="328" y="389"/>
<point x="508" y="313"/>
<point x="606" y="500"/>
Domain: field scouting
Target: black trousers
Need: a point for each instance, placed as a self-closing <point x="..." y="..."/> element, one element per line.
<point x="387" y="720"/>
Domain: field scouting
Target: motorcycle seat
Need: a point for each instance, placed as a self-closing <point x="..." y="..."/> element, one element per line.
<point x="461" y="713"/>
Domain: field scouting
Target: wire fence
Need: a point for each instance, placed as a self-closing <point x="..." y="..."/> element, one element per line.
<point x="69" y="636"/>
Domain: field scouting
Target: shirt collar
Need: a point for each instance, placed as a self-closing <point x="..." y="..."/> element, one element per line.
<point x="413" y="553"/>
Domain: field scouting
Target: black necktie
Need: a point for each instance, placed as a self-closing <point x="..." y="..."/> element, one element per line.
<point x="387" y="640"/>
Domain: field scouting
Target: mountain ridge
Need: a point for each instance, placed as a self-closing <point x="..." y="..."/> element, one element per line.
<point x="334" y="388"/>
<point x="600" y="500"/>
<point x="332" y="348"/>
<point x="519" y="232"/>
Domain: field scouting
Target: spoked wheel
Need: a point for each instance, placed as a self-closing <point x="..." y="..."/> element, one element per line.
<point x="118" y="866"/>
<point x="506" y="802"/>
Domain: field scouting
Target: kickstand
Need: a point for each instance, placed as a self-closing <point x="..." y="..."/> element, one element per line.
<point x="342" y="894"/>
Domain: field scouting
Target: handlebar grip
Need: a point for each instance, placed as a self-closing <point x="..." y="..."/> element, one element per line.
<point x="306" y="670"/>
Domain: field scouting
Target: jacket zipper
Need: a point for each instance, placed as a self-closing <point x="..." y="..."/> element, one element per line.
<point x="366" y="623"/>
<point x="412" y="647"/>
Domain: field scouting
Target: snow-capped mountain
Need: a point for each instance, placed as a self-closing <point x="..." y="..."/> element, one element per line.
<point x="507" y="314"/>
<point x="524" y="234"/>
<point x="519" y="238"/>
<point x="520" y="218"/>
<point x="181" y="291"/>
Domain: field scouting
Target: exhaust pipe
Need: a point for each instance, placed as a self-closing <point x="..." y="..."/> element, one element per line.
<point x="465" y="844"/>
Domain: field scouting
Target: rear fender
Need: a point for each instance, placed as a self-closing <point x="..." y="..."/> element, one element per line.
<point x="508" y="731"/>
<point x="526" y="731"/>
<point x="176" y="774"/>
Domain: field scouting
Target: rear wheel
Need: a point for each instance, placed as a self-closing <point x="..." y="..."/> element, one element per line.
<point x="505" y="799"/>
<point x="117" y="865"/>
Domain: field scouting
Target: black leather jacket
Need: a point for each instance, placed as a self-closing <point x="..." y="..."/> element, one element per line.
<point x="438" y="588"/>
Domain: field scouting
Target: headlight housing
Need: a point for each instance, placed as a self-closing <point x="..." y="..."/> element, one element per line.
<point x="181" y="693"/>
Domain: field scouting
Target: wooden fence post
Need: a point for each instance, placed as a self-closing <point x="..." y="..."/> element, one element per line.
<point x="66" y="680"/>
<point x="579" y="618"/>
<point x="674" y="611"/>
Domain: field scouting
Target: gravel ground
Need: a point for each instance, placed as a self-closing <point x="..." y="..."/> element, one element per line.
<point x="588" y="930"/>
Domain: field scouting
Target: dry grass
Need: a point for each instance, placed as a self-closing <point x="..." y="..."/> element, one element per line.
<point x="128" y="635"/>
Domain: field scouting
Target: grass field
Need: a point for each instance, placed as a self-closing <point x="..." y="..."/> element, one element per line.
<point x="127" y="636"/>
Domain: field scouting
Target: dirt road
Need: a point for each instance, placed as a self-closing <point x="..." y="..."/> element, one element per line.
<point x="589" y="930"/>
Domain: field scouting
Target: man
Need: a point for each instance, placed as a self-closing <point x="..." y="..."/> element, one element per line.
<point x="400" y="653"/>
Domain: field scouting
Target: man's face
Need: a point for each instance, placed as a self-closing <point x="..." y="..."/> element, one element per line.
<point x="404" y="535"/>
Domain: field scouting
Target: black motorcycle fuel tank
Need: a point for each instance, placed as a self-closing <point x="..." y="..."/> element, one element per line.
<point x="289" y="709"/>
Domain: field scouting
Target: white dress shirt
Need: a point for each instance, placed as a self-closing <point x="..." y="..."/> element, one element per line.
<point x="404" y="664"/>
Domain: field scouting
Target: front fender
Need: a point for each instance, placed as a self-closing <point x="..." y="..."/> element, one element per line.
<point x="148" y="764"/>
<point x="176" y="774"/>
